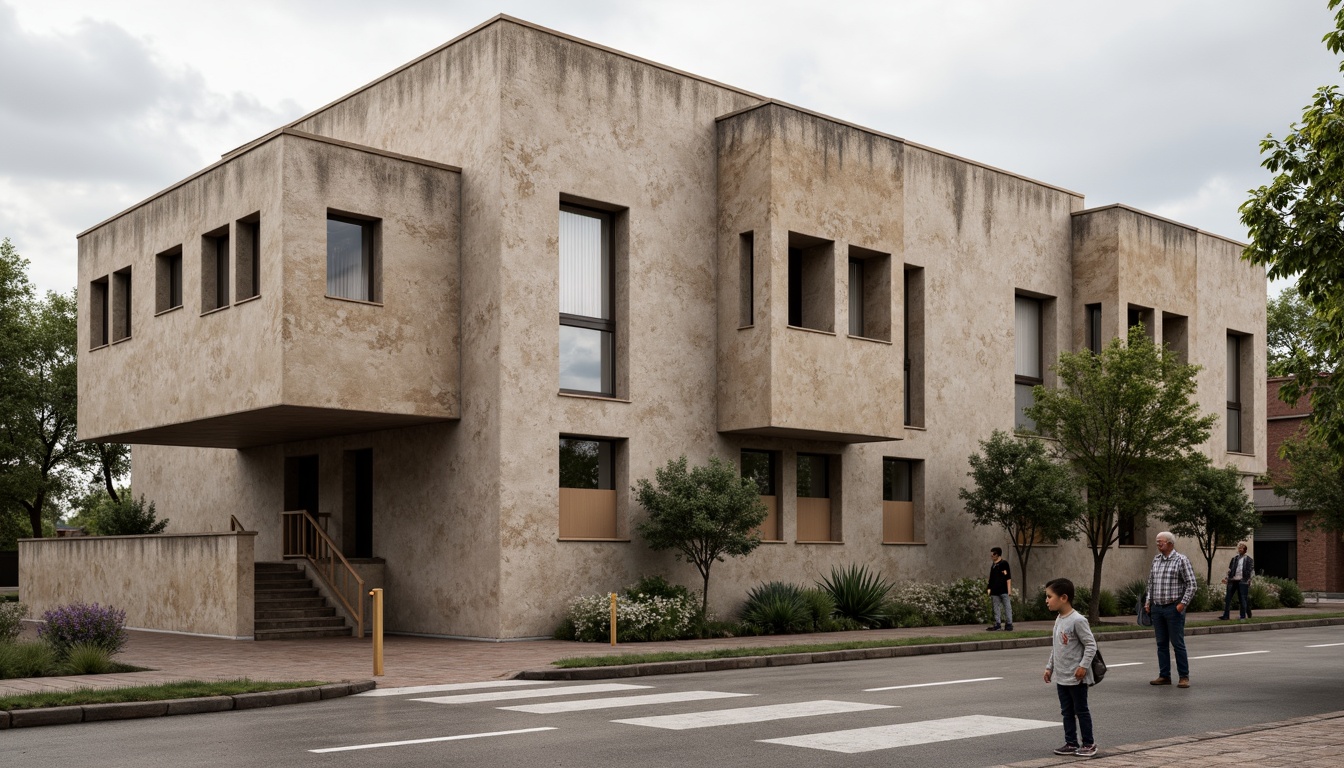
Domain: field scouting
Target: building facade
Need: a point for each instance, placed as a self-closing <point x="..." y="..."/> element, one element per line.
<point x="457" y="313"/>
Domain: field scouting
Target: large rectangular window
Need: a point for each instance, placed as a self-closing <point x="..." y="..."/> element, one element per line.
<point x="811" y="282"/>
<point x="899" y="520"/>
<point x="587" y="489"/>
<point x="1028" y="368"/>
<point x="816" y="521"/>
<point x="587" y="316"/>
<point x="1233" y="393"/>
<point x="215" y="270"/>
<point x="354" y="268"/>
<point x="168" y="280"/>
<point x="762" y="468"/>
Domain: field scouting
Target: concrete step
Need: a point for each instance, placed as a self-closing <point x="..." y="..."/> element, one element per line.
<point x="303" y="623"/>
<point x="290" y="604"/>
<point x="266" y="577"/>
<point x="282" y="567"/>
<point x="286" y="592"/>
<point x="319" y="612"/>
<point x="300" y="634"/>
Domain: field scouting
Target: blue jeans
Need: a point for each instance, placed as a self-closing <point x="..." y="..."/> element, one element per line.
<point x="1073" y="705"/>
<point x="1243" y="590"/>
<point x="1169" y="627"/>
<point x="1003" y="604"/>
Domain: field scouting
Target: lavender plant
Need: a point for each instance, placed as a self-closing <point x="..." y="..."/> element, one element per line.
<point x="80" y="623"/>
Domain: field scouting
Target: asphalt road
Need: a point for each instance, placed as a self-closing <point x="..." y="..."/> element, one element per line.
<point x="987" y="707"/>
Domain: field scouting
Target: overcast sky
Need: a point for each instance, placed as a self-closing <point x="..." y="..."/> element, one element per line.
<point x="1158" y="104"/>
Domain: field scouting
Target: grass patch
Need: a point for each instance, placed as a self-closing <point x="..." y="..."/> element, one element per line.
<point x="575" y="662"/>
<point x="188" y="689"/>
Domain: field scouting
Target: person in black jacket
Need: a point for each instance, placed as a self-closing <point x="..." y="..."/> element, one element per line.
<point x="1000" y="590"/>
<point x="1239" y="574"/>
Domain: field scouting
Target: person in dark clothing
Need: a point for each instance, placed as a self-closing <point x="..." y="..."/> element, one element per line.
<point x="1238" y="580"/>
<point x="1000" y="591"/>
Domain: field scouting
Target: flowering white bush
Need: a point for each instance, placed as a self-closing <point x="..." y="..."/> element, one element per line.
<point x="961" y="602"/>
<point x="638" y="618"/>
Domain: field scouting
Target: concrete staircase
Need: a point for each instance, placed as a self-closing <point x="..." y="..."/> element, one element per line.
<point x="289" y="607"/>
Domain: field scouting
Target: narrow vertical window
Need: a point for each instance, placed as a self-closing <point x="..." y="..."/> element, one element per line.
<point x="99" y="307"/>
<point x="1028" y="365"/>
<point x="1233" y="393"/>
<point x="168" y="280"/>
<point x="1094" y="328"/>
<point x="869" y="293"/>
<point x="815" y="511"/>
<point x="913" y="338"/>
<point x="248" y="265"/>
<point x="587" y="320"/>
<point x="353" y="258"/>
<point x="898" y="507"/>
<point x="587" y="489"/>
<point x="215" y="270"/>
<point x="856" y="298"/>
<point x="811" y="282"/>
<point x="121" y="304"/>
<point x="762" y="467"/>
<point x="746" y="280"/>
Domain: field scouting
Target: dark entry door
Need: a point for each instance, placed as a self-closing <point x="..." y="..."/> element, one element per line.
<point x="301" y="484"/>
<point x="363" y="471"/>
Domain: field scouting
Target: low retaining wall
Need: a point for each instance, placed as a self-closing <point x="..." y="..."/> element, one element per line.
<point x="197" y="583"/>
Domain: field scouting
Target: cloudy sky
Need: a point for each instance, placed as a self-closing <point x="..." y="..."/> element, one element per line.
<point x="1159" y="104"/>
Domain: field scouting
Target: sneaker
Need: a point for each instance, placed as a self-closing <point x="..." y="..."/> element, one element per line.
<point x="994" y="628"/>
<point x="1087" y="750"/>
<point x="1224" y="618"/>
<point x="1067" y="749"/>
<point x="1009" y="627"/>
<point x="1160" y="681"/>
<point x="1184" y="683"/>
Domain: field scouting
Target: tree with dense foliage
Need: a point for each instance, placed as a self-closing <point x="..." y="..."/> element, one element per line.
<point x="1210" y="505"/>
<point x="1313" y="481"/>
<point x="703" y="513"/>
<point x="1291" y="329"/>
<point x="1125" y="421"/>
<point x="1296" y="227"/>
<point x="1016" y="486"/>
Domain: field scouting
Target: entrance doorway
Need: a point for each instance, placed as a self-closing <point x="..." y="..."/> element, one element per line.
<point x="1276" y="546"/>
<point x="301" y="484"/>
<point x="357" y="525"/>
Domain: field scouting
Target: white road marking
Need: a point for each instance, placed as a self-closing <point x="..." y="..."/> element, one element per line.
<point x="1126" y="664"/>
<point x="451" y="687"/>
<point x="907" y="734"/>
<point x="428" y="741"/>
<point x="564" y="690"/>
<point x="1223" y="655"/>
<point x="582" y="705"/>
<point x="1325" y="645"/>
<point x="751" y="714"/>
<point x="926" y="685"/>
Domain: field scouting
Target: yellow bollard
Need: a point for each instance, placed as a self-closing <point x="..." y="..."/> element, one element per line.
<point x="377" y="595"/>
<point x="613" y="618"/>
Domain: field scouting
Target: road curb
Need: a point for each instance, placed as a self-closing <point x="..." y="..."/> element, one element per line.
<point x="863" y="654"/>
<point x="134" y="710"/>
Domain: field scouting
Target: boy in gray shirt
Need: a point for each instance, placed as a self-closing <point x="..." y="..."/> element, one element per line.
<point x="1071" y="655"/>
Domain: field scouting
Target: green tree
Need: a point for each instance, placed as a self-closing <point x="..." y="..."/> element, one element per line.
<point x="1291" y="329"/>
<point x="111" y="462"/>
<point x="1211" y="506"/>
<point x="703" y="513"/>
<point x="1018" y="488"/>
<point x="127" y="517"/>
<point x="1125" y="421"/>
<point x="1296" y="227"/>
<point x="1313" y="480"/>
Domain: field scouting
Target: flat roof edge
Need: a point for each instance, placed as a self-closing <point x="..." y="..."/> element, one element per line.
<point x="1149" y="215"/>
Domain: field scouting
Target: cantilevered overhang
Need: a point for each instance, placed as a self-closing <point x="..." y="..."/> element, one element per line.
<point x="267" y="426"/>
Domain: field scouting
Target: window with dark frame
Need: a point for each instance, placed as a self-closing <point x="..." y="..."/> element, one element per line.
<point x="896" y="480"/>
<point x="587" y="317"/>
<point x="1028" y="363"/>
<point x="760" y="467"/>
<point x="589" y="464"/>
<point x="99" y="310"/>
<point x="814" y="480"/>
<point x="248" y="267"/>
<point x="1127" y="533"/>
<point x="856" y="327"/>
<point x="811" y="283"/>
<point x="353" y="258"/>
<point x="746" y="285"/>
<point x="1233" y="393"/>
<point x="1094" y="328"/>
<point x="121" y="304"/>
<point x="215" y="270"/>
<point x="168" y="279"/>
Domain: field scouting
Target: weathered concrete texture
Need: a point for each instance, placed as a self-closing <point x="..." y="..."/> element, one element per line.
<point x="198" y="583"/>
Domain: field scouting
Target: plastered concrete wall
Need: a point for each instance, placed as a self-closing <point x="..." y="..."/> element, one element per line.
<point x="196" y="583"/>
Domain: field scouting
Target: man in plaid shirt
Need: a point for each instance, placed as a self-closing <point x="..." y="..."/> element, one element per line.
<point x="1171" y="586"/>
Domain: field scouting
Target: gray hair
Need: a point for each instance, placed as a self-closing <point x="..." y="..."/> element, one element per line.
<point x="1167" y="535"/>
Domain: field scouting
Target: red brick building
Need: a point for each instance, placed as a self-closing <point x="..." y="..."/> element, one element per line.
<point x="1284" y="546"/>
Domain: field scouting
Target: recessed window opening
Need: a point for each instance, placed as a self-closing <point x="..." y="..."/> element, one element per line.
<point x="353" y="258"/>
<point x="746" y="279"/>
<point x="1176" y="335"/>
<point x="121" y="304"/>
<point x="1028" y="370"/>
<point x="168" y="279"/>
<point x="248" y="267"/>
<point x="1093" y="324"/>
<point x="869" y="294"/>
<point x="898" y="507"/>
<point x="99" y="309"/>
<point x="587" y="488"/>
<point x="1233" y="393"/>
<point x="811" y="283"/>
<point x="1137" y="315"/>
<point x="762" y="468"/>
<point x="215" y="270"/>
<point x="816" y="509"/>
<point x="913" y="338"/>
<point x="587" y="319"/>
<point x="856" y="297"/>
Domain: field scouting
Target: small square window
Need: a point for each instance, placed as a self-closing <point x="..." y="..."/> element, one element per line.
<point x="353" y="258"/>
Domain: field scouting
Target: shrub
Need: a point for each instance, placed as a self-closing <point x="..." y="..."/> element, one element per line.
<point x="68" y="625"/>
<point x="87" y="659"/>
<point x="1264" y="594"/>
<point x="966" y="601"/>
<point x="1033" y="609"/>
<point x="1290" y="594"/>
<point x="777" y="607"/>
<point x="11" y="621"/>
<point x="820" y="609"/>
<point x="128" y="517"/>
<point x="923" y="597"/>
<point x="656" y="586"/>
<point x="898" y="614"/>
<point x="638" y="619"/>
<point x="26" y="660"/>
<point x="1129" y="595"/>
<point x="1108" y="605"/>
<point x="858" y="594"/>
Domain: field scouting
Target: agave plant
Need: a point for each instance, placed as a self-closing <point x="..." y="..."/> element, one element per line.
<point x="777" y="607"/>
<point x="859" y="594"/>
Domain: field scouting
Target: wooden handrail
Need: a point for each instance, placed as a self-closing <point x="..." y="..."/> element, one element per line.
<point x="235" y="525"/>
<point x="302" y="537"/>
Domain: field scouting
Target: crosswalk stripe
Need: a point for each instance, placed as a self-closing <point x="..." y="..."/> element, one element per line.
<point x="564" y="690"/>
<point x="451" y="687"/>
<point x="718" y="717"/>
<point x="430" y="741"/>
<point x="580" y="705"/>
<point x="1126" y="664"/>
<point x="1224" y="655"/>
<point x="1325" y="645"/>
<point x="907" y="734"/>
<point x="929" y="685"/>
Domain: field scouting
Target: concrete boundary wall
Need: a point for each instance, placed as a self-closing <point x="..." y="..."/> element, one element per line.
<point x="195" y="583"/>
